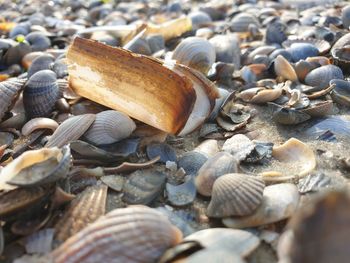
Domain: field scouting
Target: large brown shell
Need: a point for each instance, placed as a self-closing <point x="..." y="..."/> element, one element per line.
<point x="132" y="234"/>
<point x="216" y="166"/>
<point x="70" y="130"/>
<point x="235" y="195"/>
<point x="82" y="211"/>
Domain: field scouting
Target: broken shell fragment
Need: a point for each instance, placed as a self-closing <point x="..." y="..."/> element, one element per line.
<point x="235" y="195"/>
<point x="136" y="90"/>
<point x="38" y="123"/>
<point x="135" y="233"/>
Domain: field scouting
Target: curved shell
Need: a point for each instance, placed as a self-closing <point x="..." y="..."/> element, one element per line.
<point x="302" y="51"/>
<point x="110" y="126"/>
<point x="287" y="116"/>
<point x="241" y="22"/>
<point x="345" y="15"/>
<point x="216" y="166"/>
<point x="40" y="94"/>
<point x="322" y="45"/>
<point x="9" y="90"/>
<point x="319" y="108"/>
<point x="284" y="69"/>
<point x="235" y="195"/>
<point x="70" y="130"/>
<point x="341" y="91"/>
<point x="38" y="123"/>
<point x="227" y="49"/>
<point x="39" y="167"/>
<point x="86" y="208"/>
<point x="40" y="63"/>
<point x="132" y="234"/>
<point x="275" y="32"/>
<point x="199" y="19"/>
<point x="321" y="76"/>
<point x="260" y="95"/>
<point x="302" y="68"/>
<point x="192" y="161"/>
<point x="38" y="41"/>
<point x="195" y="52"/>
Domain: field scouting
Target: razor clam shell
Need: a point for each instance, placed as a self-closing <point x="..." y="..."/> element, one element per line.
<point x="165" y="151"/>
<point x="34" y="177"/>
<point x="135" y="233"/>
<point x="183" y="194"/>
<point x="235" y="195"/>
<point x="195" y="52"/>
<point x="216" y="166"/>
<point x="40" y="242"/>
<point x="85" y="209"/>
<point x="70" y="130"/>
<point x="142" y="187"/>
<point x="320" y="77"/>
<point x="110" y="127"/>
<point x="9" y="90"/>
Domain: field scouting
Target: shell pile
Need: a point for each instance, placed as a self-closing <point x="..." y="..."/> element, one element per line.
<point x="174" y="131"/>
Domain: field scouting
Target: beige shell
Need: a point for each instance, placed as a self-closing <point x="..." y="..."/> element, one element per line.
<point x="70" y="130"/>
<point x="136" y="90"/>
<point x="320" y="60"/>
<point x="284" y="69"/>
<point x="216" y="166"/>
<point x="132" y="234"/>
<point x="235" y="195"/>
<point x="110" y="126"/>
<point x="86" y="208"/>
<point x="260" y="95"/>
<point x="295" y="159"/>
<point x="195" y="52"/>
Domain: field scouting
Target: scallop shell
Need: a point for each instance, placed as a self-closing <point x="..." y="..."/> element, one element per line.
<point x="241" y="22"/>
<point x="70" y="130"/>
<point x="235" y="195"/>
<point x="284" y="69"/>
<point x="40" y="94"/>
<point x="40" y="167"/>
<point x="133" y="234"/>
<point x="195" y="52"/>
<point x="9" y="91"/>
<point x="85" y="209"/>
<point x="322" y="45"/>
<point x="216" y="166"/>
<point x="109" y="127"/>
<point x="321" y="76"/>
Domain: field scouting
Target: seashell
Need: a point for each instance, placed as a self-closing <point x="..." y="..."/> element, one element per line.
<point x="284" y="69"/>
<point x="219" y="102"/>
<point x="60" y="68"/>
<point x="182" y="194"/>
<point x="9" y="90"/>
<point x="313" y="183"/>
<point x="6" y="139"/>
<point x="345" y="16"/>
<point x="39" y="167"/>
<point x="208" y="148"/>
<point x="85" y="209"/>
<point x="280" y="201"/>
<point x="235" y="195"/>
<point x="319" y="108"/>
<point x="38" y="123"/>
<point x="204" y="32"/>
<point x="239" y="145"/>
<point x="303" y="68"/>
<point x="338" y="125"/>
<point x="276" y="32"/>
<point x="195" y="52"/>
<point x="165" y="151"/>
<point x="282" y="52"/>
<point x="121" y="241"/>
<point x="323" y="61"/>
<point x="253" y="72"/>
<point x="28" y="59"/>
<point x="139" y="45"/>
<point x="192" y="161"/>
<point x="15" y="53"/>
<point x="227" y="49"/>
<point x="321" y="76"/>
<point x="40" y="63"/>
<point x="341" y="91"/>
<point x="40" y="94"/>
<point x="143" y="187"/>
<point x="156" y="43"/>
<point x="40" y="242"/>
<point x="70" y="130"/>
<point x="20" y="202"/>
<point x="110" y="127"/>
<point x="323" y="46"/>
<point x="199" y="19"/>
<point x="114" y="182"/>
<point x="287" y="116"/>
<point x="210" y="255"/>
<point x="340" y="52"/>
<point x="302" y="51"/>
<point x="215" y="167"/>
<point x="38" y="41"/>
<point x="20" y="29"/>
<point x="195" y="95"/>
<point x="241" y="22"/>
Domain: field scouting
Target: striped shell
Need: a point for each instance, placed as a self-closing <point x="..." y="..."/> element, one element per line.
<point x="40" y="63"/>
<point x="319" y="108"/>
<point x="86" y="208"/>
<point x="322" y="45"/>
<point x="70" y="130"/>
<point x="321" y="76"/>
<point x="110" y="126"/>
<point x="216" y="166"/>
<point x="195" y="52"/>
<point x="9" y="91"/>
<point x="284" y="69"/>
<point x="40" y="94"/>
<point x="132" y="234"/>
<point x="241" y="22"/>
<point x="235" y="195"/>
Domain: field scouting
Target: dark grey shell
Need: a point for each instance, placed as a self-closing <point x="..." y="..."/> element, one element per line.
<point x="9" y="90"/>
<point x="15" y="53"/>
<point x="227" y="49"/>
<point x="199" y="18"/>
<point x="191" y="162"/>
<point x="320" y="77"/>
<point x="40" y="63"/>
<point x="276" y="33"/>
<point x="155" y="42"/>
<point x="341" y="91"/>
<point x="165" y="151"/>
<point x="20" y="29"/>
<point x="40" y="94"/>
<point x="182" y="194"/>
<point x="302" y="51"/>
<point x="38" y="41"/>
<point x="241" y="22"/>
<point x="287" y="116"/>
